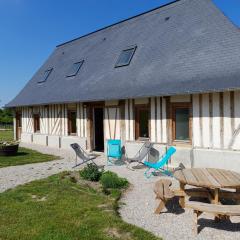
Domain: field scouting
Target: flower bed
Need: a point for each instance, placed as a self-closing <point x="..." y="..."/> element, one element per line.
<point x="8" y="148"/>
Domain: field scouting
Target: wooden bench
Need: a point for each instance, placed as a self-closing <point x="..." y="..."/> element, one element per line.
<point x="221" y="210"/>
<point x="163" y="193"/>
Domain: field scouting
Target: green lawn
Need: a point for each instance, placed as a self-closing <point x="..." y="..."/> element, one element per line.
<point x="24" y="155"/>
<point x="57" y="208"/>
<point x="6" y="135"/>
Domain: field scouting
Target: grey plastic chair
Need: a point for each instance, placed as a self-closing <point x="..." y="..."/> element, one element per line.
<point x="82" y="155"/>
<point x="141" y="154"/>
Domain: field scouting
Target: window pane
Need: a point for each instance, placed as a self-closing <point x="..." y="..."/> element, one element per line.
<point x="182" y="124"/>
<point x="74" y="69"/>
<point x="125" y="57"/>
<point x="45" y="75"/>
<point x="143" y="123"/>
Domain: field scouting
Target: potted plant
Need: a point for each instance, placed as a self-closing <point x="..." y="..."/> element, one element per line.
<point x="8" y="148"/>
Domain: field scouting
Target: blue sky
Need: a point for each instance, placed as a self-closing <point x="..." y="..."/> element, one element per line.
<point x="30" y="30"/>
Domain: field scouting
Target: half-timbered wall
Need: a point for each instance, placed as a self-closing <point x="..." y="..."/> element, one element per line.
<point x="27" y="120"/>
<point x="112" y="122"/>
<point x="129" y="121"/>
<point x="216" y="120"/>
<point x="53" y="119"/>
<point x="81" y="120"/>
<point x="157" y="122"/>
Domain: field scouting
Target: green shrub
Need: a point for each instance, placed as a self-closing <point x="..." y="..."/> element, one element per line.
<point x="111" y="180"/>
<point x="91" y="172"/>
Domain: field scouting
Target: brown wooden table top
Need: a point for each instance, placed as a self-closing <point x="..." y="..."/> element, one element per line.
<point x="208" y="177"/>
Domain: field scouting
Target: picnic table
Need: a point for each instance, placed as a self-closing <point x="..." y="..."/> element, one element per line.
<point x="214" y="184"/>
<point x="211" y="180"/>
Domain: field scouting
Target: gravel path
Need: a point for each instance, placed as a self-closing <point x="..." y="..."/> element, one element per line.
<point x="174" y="223"/>
<point x="139" y="201"/>
<point x="13" y="176"/>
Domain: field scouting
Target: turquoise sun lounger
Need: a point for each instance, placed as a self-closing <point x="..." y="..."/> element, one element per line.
<point x="158" y="166"/>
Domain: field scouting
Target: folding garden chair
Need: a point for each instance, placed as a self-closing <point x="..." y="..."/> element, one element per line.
<point x="114" y="150"/>
<point x="81" y="154"/>
<point x="141" y="154"/>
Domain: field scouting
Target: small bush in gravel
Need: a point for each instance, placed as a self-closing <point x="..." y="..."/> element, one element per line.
<point x="111" y="180"/>
<point x="91" y="172"/>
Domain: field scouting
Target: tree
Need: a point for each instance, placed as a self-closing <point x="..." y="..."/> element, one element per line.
<point x="6" y="116"/>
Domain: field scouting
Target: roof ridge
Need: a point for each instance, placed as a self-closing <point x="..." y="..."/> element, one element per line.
<point x="125" y="20"/>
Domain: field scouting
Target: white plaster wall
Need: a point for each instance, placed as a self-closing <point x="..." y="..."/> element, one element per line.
<point x="27" y="120"/>
<point x="216" y="121"/>
<point x="26" y="137"/>
<point x="126" y="120"/>
<point x="112" y="123"/>
<point x="81" y="117"/>
<point x="66" y="141"/>
<point x="158" y="120"/>
<point x="205" y="121"/>
<point x="196" y="122"/>
<point x="223" y="159"/>
<point x="153" y="120"/>
<point x="54" y="141"/>
<point x="227" y="127"/>
<point x="40" y="139"/>
<point x="236" y="137"/>
<point x="129" y="121"/>
<point x="164" y="121"/>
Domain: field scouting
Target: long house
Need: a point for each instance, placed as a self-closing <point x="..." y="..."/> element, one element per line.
<point x="170" y="75"/>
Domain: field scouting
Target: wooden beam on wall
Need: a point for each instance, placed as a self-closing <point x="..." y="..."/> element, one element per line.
<point x="89" y="128"/>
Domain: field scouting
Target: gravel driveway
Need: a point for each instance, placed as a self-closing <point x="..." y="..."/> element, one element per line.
<point x="139" y="201"/>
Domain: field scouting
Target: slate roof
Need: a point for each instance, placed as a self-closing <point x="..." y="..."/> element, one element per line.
<point x="197" y="50"/>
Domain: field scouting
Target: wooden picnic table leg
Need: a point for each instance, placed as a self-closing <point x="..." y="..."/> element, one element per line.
<point x="238" y="192"/>
<point x="182" y="199"/>
<point x="215" y="200"/>
<point x="216" y="196"/>
<point x="160" y="207"/>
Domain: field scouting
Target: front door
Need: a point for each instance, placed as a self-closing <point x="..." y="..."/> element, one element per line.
<point x="98" y="129"/>
<point x="18" y="126"/>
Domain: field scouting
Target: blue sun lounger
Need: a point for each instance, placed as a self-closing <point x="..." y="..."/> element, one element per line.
<point x="158" y="166"/>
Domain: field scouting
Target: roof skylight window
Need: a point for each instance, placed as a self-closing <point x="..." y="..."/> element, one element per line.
<point x="126" y="57"/>
<point x="45" y="75"/>
<point x="74" y="69"/>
